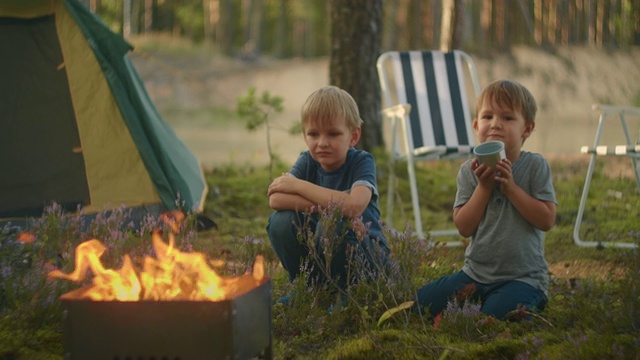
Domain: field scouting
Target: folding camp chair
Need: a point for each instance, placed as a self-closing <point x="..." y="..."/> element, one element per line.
<point x="630" y="149"/>
<point x="426" y="100"/>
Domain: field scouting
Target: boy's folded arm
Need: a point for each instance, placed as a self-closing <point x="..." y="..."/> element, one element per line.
<point x="358" y="200"/>
<point x="285" y="201"/>
<point x="353" y="203"/>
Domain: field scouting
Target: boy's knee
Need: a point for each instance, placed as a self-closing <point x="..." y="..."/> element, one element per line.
<point x="281" y="222"/>
<point x="518" y="304"/>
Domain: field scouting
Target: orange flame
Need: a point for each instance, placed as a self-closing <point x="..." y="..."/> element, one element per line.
<point x="173" y="275"/>
<point x="26" y="238"/>
<point x="173" y="219"/>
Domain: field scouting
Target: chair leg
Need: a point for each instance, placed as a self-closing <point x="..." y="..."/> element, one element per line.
<point x="417" y="214"/>
<point x="414" y="199"/>
<point x="635" y="160"/>
<point x="580" y="215"/>
<point x="391" y="189"/>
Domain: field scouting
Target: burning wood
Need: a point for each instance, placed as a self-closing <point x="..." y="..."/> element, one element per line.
<point x="172" y="275"/>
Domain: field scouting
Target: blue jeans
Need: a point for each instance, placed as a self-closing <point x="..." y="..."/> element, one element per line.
<point x="288" y="231"/>
<point x="496" y="299"/>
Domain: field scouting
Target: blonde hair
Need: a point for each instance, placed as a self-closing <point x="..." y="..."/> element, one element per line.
<point x="512" y="95"/>
<point x="328" y="104"/>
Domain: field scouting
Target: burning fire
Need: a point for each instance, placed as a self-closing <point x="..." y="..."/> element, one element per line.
<point x="172" y="275"/>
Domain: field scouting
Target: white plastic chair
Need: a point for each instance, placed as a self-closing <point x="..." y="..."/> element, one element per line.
<point x="630" y="149"/>
<point x="426" y="99"/>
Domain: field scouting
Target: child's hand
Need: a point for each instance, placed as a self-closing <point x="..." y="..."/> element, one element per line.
<point x="282" y="184"/>
<point x="504" y="175"/>
<point x="486" y="175"/>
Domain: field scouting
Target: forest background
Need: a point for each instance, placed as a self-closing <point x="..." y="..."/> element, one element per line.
<point x="569" y="53"/>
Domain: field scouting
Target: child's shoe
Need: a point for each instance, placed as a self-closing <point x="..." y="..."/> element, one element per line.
<point x="286" y="300"/>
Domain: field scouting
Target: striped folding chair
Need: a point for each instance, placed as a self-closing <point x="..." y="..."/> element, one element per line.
<point x="631" y="149"/>
<point x="427" y="101"/>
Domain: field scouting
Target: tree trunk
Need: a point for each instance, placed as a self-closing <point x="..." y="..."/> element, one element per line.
<point x="452" y="25"/>
<point x="281" y="29"/>
<point x="591" y="21"/>
<point x="401" y="40"/>
<point x="636" y="29"/>
<point x="356" y="36"/>
<point x="552" y="24"/>
<point x="225" y="34"/>
<point x="448" y="25"/>
<point x="486" y="23"/>
<point x="148" y="16"/>
<point x="135" y="17"/>
<point x="257" y="24"/>
<point x="208" y="13"/>
<point x="390" y="38"/>
<point x="126" y="18"/>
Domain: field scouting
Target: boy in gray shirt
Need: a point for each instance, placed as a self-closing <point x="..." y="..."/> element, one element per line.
<point x="505" y="210"/>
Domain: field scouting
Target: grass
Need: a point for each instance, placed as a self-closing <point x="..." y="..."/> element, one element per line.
<point x="593" y="311"/>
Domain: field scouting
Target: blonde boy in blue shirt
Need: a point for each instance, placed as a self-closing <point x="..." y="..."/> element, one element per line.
<point x="332" y="171"/>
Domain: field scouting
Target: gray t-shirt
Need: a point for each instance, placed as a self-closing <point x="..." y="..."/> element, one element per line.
<point x="505" y="246"/>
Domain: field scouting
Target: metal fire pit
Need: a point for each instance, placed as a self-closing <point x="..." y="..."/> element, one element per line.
<point x="239" y="328"/>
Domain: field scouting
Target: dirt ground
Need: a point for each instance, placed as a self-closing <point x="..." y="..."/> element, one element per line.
<point x="566" y="83"/>
<point x="585" y="268"/>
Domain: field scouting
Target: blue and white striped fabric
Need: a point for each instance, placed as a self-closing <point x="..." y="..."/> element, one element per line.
<point x="612" y="150"/>
<point x="425" y="99"/>
<point x="433" y="83"/>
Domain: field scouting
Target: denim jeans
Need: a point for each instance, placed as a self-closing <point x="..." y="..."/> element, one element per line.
<point x="496" y="299"/>
<point x="289" y="232"/>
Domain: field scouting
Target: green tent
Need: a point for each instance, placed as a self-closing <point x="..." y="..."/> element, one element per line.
<point x="77" y="127"/>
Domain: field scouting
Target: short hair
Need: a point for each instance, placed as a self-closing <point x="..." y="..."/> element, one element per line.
<point x="512" y="95"/>
<point x="329" y="103"/>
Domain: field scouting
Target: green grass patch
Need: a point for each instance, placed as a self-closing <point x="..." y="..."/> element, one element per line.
<point x="592" y="314"/>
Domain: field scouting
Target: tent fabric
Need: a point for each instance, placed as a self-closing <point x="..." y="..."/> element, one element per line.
<point x="38" y="124"/>
<point x="84" y="131"/>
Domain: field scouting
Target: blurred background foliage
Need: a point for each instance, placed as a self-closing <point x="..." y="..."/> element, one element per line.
<point x="302" y="28"/>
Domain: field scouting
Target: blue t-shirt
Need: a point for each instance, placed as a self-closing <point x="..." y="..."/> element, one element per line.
<point x="358" y="169"/>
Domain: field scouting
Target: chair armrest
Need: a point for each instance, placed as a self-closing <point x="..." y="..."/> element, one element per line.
<point x="615" y="150"/>
<point x="616" y="109"/>
<point x="399" y="111"/>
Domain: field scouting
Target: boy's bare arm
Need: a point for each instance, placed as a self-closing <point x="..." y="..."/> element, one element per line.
<point x="353" y="203"/>
<point x="541" y="214"/>
<point x="467" y="216"/>
<point x="284" y="201"/>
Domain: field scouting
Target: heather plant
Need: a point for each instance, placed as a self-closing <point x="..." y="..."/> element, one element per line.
<point x="372" y="285"/>
<point x="463" y="320"/>
<point x="26" y="297"/>
<point x="55" y="234"/>
<point x="245" y="250"/>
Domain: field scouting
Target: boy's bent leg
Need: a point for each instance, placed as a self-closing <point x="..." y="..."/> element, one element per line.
<point x="438" y="293"/>
<point x="283" y="234"/>
<point x="510" y="296"/>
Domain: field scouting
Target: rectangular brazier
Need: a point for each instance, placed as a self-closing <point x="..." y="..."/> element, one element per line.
<point x="238" y="328"/>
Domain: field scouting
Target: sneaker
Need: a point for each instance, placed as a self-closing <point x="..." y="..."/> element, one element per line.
<point x="286" y="300"/>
